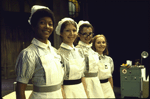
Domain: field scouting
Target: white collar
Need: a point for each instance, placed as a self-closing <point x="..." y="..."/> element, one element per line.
<point x="66" y="46"/>
<point x="102" y="56"/>
<point x="41" y="44"/>
<point x="84" y="44"/>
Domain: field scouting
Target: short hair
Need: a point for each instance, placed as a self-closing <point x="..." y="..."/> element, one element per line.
<point x="80" y="29"/>
<point x="85" y="25"/>
<point x="40" y="14"/>
<point x="106" y="52"/>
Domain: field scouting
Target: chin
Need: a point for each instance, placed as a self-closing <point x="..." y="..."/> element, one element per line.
<point x="46" y="36"/>
<point x="72" y="40"/>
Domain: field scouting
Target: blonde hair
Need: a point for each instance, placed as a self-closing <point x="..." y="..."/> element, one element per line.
<point x="105" y="52"/>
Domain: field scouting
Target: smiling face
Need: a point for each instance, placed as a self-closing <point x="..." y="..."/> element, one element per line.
<point x="43" y="29"/>
<point x="69" y="34"/>
<point x="100" y="44"/>
<point x="86" y="35"/>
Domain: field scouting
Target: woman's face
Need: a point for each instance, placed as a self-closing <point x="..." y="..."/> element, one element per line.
<point x="86" y="35"/>
<point x="69" y="34"/>
<point x="44" y="28"/>
<point x="100" y="44"/>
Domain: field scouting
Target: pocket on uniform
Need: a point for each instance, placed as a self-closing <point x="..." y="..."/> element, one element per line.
<point x="107" y="66"/>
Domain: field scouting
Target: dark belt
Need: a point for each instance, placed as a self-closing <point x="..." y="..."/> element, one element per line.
<point x="104" y="81"/>
<point x="71" y="82"/>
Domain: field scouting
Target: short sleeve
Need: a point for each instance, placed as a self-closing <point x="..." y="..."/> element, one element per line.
<point x="25" y="66"/>
<point x="112" y="65"/>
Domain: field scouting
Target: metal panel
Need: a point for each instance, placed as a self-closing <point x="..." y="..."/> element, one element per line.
<point x="130" y="82"/>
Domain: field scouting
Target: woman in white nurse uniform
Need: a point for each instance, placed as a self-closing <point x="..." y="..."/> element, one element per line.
<point x="39" y="61"/>
<point x="93" y="87"/>
<point x="106" y="65"/>
<point x="73" y="61"/>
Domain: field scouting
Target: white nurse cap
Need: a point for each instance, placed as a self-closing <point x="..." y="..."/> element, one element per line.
<point x="61" y="22"/>
<point x="34" y="9"/>
<point x="83" y="22"/>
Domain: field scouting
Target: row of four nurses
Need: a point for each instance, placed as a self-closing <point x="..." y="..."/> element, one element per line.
<point x="39" y="61"/>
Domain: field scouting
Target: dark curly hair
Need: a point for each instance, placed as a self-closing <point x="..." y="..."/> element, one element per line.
<point x="41" y="13"/>
<point x="85" y="25"/>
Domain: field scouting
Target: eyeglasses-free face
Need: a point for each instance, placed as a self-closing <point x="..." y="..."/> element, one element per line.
<point x="86" y="35"/>
<point x="100" y="44"/>
<point x="69" y="34"/>
<point x="44" y="28"/>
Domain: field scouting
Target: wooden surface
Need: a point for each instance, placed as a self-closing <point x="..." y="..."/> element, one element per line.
<point x="15" y="36"/>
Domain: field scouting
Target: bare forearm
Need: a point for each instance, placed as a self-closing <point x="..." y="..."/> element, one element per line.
<point x="63" y="93"/>
<point x="20" y="91"/>
<point x="20" y="95"/>
<point x="111" y="81"/>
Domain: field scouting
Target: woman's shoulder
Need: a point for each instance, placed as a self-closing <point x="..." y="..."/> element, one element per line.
<point x="63" y="52"/>
<point x="108" y="57"/>
<point x="55" y="50"/>
<point x="60" y="50"/>
<point x="29" y="51"/>
<point x="93" y="51"/>
<point x="30" y="48"/>
<point x="80" y="46"/>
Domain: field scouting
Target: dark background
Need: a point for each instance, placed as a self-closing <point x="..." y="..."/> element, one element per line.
<point x="126" y="27"/>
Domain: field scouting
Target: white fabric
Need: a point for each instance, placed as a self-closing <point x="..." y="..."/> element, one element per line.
<point x="106" y="67"/>
<point x="143" y="73"/>
<point x="75" y="63"/>
<point x="66" y="46"/>
<point x="107" y="90"/>
<point x="75" y="91"/>
<point x="34" y="9"/>
<point x="61" y="22"/>
<point x="74" y="68"/>
<point x="42" y="65"/>
<point x="82" y="44"/>
<point x="147" y="78"/>
<point x="92" y="56"/>
<point x="93" y="86"/>
<point x="105" y="70"/>
<point x="83" y="22"/>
